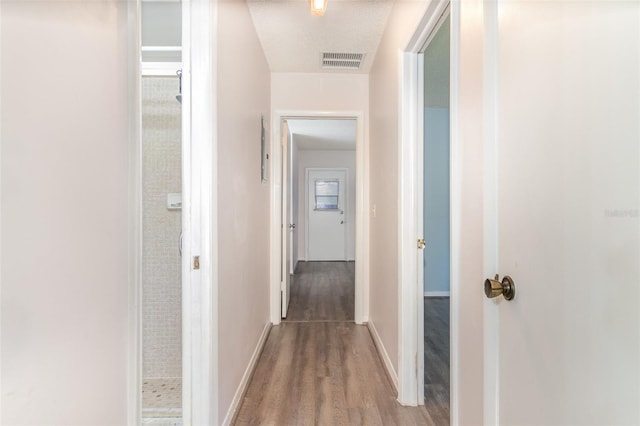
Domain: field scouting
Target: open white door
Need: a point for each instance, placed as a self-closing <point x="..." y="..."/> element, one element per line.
<point x="287" y="226"/>
<point x="564" y="178"/>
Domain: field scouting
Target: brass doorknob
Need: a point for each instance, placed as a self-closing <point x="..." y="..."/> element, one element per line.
<point x="494" y="288"/>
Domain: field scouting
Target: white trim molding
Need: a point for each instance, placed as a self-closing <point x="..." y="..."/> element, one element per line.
<point x="246" y="377"/>
<point x="362" y="216"/>
<point x="199" y="198"/>
<point x="455" y="183"/>
<point x="408" y="233"/>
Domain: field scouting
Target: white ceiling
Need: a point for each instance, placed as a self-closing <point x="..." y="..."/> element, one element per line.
<point x="293" y="40"/>
<point x="323" y="135"/>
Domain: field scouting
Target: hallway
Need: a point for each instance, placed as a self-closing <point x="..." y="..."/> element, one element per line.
<point x="318" y="367"/>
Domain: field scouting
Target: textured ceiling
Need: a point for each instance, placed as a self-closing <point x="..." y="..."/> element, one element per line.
<point x="293" y="40"/>
<point x="324" y="135"/>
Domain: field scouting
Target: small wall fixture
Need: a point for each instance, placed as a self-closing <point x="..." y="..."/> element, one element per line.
<point x="318" y="7"/>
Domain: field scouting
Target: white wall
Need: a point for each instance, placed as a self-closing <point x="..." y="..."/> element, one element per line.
<point x="243" y="212"/>
<point x="338" y="159"/>
<point x="320" y="92"/>
<point x="384" y="92"/>
<point x="65" y="209"/>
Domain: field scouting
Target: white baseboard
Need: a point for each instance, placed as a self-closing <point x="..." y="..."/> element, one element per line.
<point x="437" y="294"/>
<point x="388" y="365"/>
<point x="242" y="388"/>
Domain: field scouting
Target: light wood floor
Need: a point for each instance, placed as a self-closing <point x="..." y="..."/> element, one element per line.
<point x="318" y="367"/>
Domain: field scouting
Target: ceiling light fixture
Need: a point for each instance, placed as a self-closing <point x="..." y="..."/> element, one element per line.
<point x="318" y="7"/>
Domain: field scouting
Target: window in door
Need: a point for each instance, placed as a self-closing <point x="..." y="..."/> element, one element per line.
<point x="326" y="194"/>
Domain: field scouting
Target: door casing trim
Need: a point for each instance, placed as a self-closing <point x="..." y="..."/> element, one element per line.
<point x="410" y="187"/>
<point x="362" y="201"/>
<point x="200" y="206"/>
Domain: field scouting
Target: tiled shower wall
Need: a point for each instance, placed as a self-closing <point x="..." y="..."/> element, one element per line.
<point x="161" y="297"/>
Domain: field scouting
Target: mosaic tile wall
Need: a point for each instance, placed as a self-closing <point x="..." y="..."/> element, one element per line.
<point x="161" y="298"/>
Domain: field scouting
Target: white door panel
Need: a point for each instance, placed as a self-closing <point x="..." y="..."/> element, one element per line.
<point x="326" y="221"/>
<point x="568" y="185"/>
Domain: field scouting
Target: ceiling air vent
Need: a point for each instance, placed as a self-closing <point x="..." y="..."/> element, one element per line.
<point x="342" y="61"/>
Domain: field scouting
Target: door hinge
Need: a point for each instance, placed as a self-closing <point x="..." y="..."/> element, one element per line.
<point x="196" y="262"/>
<point x="421" y="243"/>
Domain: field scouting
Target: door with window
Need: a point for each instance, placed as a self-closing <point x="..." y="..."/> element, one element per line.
<point x="326" y="214"/>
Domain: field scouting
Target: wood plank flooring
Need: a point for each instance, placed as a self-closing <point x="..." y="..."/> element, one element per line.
<point x="322" y="291"/>
<point x="318" y="367"/>
<point x="323" y="373"/>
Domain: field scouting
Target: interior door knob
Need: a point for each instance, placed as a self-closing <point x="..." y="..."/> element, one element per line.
<point x="495" y="288"/>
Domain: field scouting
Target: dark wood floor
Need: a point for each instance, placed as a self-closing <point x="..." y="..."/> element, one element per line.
<point x="322" y="291"/>
<point x="436" y="358"/>
<point x="319" y="368"/>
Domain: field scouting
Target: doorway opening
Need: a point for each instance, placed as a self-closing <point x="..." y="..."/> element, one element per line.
<point x="428" y="213"/>
<point x="436" y="215"/>
<point x="170" y="42"/>
<point x="317" y="206"/>
<point x="161" y="213"/>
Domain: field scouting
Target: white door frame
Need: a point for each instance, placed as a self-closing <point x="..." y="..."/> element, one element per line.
<point x="411" y="309"/>
<point x="362" y="218"/>
<point x="199" y="204"/>
<point x="287" y="220"/>
<point x="344" y="209"/>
